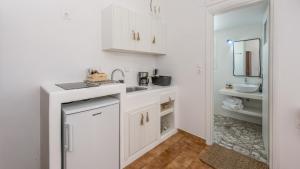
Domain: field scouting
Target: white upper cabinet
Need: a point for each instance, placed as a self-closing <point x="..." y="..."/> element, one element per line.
<point x="157" y="36"/>
<point x="142" y="29"/>
<point x="126" y="31"/>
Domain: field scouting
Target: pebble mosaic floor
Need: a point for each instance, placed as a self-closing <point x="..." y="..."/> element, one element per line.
<point x="241" y="136"/>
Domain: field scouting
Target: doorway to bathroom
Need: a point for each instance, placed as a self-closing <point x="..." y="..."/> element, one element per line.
<point x="240" y="80"/>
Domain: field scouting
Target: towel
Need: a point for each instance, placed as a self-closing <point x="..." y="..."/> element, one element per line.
<point x="233" y="100"/>
<point x="232" y="106"/>
<point x="233" y="103"/>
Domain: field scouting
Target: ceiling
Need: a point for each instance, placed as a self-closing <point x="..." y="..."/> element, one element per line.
<point x="244" y="16"/>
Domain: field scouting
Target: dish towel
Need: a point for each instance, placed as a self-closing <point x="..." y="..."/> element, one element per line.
<point x="233" y="103"/>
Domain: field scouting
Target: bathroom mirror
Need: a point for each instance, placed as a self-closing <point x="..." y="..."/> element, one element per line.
<point x="246" y="58"/>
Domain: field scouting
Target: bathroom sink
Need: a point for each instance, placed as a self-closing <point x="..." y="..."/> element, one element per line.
<point x="134" y="89"/>
<point x="246" y="88"/>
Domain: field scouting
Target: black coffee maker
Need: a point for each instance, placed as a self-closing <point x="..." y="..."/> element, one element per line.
<point x="143" y="78"/>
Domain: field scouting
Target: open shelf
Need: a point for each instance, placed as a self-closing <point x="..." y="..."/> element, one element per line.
<point x="250" y="111"/>
<point x="167" y="111"/>
<point x="232" y="92"/>
<point x="167" y="123"/>
<point x="167" y="120"/>
<point x="167" y="105"/>
<point x="167" y="132"/>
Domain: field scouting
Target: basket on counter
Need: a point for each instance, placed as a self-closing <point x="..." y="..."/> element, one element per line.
<point x="96" y="77"/>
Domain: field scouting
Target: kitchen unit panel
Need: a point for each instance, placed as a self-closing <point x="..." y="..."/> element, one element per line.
<point x="91" y="138"/>
<point x="143" y="127"/>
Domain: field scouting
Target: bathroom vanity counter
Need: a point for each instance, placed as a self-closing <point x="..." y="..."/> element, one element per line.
<point x="232" y="92"/>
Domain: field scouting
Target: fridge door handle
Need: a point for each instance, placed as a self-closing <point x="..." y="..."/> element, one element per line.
<point x="142" y="119"/>
<point x="147" y="117"/>
<point x="68" y="143"/>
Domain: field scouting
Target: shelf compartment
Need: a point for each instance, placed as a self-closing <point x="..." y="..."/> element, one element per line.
<point x="250" y="111"/>
<point x="167" y="105"/>
<point x="167" y="123"/>
<point x="167" y="111"/>
<point x="166" y="132"/>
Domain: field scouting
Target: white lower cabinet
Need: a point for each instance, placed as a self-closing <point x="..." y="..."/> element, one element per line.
<point x="150" y="120"/>
<point x="143" y="127"/>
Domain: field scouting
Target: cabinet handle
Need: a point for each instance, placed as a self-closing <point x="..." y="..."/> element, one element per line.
<point x="142" y="120"/>
<point x="133" y="35"/>
<point x="138" y="38"/>
<point x="68" y="138"/>
<point x="154" y="40"/>
<point x="147" y="117"/>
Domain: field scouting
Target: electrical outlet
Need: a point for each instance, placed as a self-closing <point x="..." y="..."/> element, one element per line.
<point x="66" y="15"/>
<point x="198" y="69"/>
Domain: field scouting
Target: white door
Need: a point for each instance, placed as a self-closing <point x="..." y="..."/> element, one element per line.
<point x="121" y="33"/>
<point x="132" y="39"/>
<point x="144" y="128"/>
<point x="136" y="132"/>
<point x="142" y="27"/>
<point x="157" y="39"/>
<point x="151" y="125"/>
<point x="93" y="139"/>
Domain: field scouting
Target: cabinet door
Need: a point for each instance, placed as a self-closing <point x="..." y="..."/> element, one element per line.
<point x="157" y="36"/>
<point x="132" y="31"/>
<point x="144" y="128"/>
<point x="151" y="125"/>
<point x="136" y="132"/>
<point x="125" y="30"/>
<point x="92" y="139"/>
<point x="142" y="27"/>
<point x="121" y="34"/>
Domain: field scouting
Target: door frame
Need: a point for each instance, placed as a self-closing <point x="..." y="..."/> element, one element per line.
<point x="221" y="6"/>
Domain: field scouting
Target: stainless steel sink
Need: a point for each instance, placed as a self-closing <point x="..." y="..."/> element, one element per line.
<point x="135" y="89"/>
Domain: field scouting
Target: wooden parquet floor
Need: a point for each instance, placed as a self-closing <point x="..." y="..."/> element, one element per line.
<point x="181" y="151"/>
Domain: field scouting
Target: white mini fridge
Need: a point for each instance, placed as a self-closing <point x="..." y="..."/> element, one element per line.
<point x="91" y="134"/>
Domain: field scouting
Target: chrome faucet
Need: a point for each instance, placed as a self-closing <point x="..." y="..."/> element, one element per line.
<point x="246" y="80"/>
<point x="118" y="70"/>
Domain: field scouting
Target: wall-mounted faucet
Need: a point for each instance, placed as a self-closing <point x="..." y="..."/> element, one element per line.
<point x="118" y="70"/>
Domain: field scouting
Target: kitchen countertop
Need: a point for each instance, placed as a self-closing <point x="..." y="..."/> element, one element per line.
<point x="150" y="88"/>
<point x="52" y="88"/>
<point x="52" y="97"/>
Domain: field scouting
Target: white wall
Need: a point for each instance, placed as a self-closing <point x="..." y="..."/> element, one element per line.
<point x="223" y="65"/>
<point x="41" y="47"/>
<point x="36" y="46"/>
<point x="186" y="47"/>
<point x="287" y="81"/>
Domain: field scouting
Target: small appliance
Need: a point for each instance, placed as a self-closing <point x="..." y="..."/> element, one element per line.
<point x="91" y="134"/>
<point x="143" y="78"/>
<point x="160" y="80"/>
